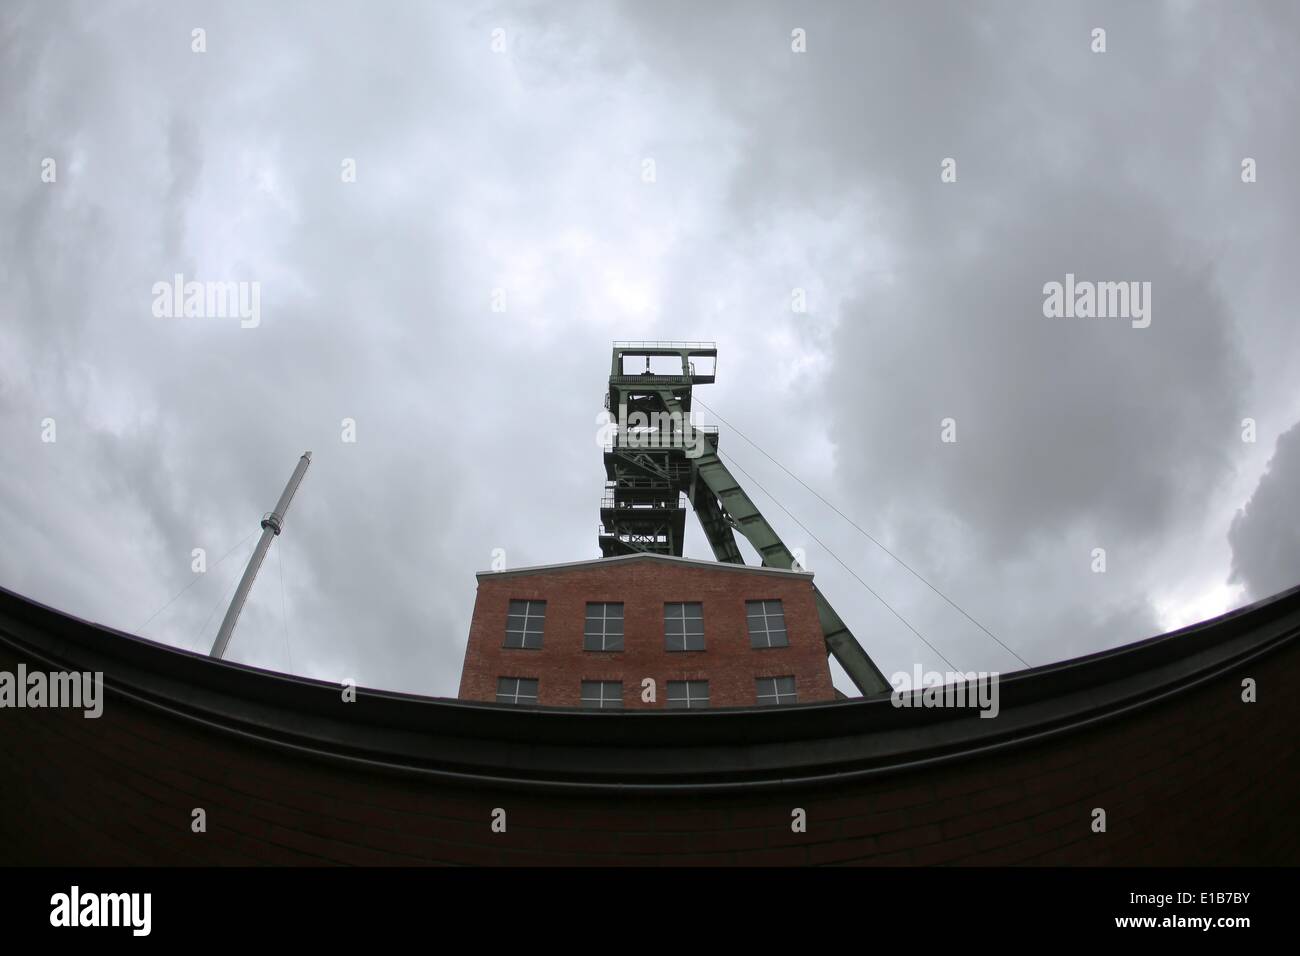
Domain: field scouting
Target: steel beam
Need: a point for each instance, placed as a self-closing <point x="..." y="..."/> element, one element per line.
<point x="725" y="498"/>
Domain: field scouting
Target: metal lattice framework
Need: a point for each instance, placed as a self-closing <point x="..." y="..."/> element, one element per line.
<point x="656" y="461"/>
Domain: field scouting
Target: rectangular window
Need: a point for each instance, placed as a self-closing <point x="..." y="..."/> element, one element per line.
<point x="776" y="690"/>
<point x="604" y="628"/>
<point x="516" y="690"/>
<point x="524" y="623"/>
<point x="766" y="621"/>
<point x="684" y="627"/>
<point x="688" y="694"/>
<point x="602" y="694"/>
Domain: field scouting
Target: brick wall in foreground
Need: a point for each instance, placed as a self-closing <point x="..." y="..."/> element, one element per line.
<point x="1199" y="779"/>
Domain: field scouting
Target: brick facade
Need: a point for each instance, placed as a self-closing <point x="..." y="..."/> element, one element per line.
<point x="643" y="584"/>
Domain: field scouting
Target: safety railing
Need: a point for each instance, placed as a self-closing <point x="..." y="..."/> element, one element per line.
<point x="703" y="346"/>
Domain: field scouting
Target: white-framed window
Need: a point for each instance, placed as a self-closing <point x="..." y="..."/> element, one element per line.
<point x="525" y="621"/>
<point x="766" y="620"/>
<point x="684" y="626"/>
<point x="688" y="694"/>
<point x="516" y="690"/>
<point x="604" y="627"/>
<point x="602" y="694"/>
<point x="776" y="690"/>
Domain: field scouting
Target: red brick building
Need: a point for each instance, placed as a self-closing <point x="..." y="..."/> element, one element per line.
<point x="592" y="633"/>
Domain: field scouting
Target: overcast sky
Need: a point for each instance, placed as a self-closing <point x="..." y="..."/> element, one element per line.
<point x="521" y="173"/>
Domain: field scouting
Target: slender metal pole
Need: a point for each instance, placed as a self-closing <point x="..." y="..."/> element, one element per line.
<point x="272" y="525"/>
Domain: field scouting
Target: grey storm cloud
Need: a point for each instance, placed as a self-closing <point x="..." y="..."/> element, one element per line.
<point x="1265" y="534"/>
<point x="1073" y="434"/>
<point x="520" y="173"/>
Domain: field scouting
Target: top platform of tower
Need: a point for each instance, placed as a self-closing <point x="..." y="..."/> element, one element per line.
<point x="697" y="363"/>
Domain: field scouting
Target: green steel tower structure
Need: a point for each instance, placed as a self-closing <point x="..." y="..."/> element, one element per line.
<point x="656" y="461"/>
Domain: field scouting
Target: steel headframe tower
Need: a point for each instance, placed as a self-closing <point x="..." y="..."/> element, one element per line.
<point x="657" y="460"/>
<point x="272" y="525"/>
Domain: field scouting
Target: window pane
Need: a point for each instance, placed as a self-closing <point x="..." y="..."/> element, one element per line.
<point x="603" y="694"/>
<point x="684" y="626"/>
<point x="604" y="627"/>
<point x="776" y="690"/>
<point x="688" y="694"/>
<point x="766" y="623"/>
<point x="525" y="622"/>
<point x="516" y="690"/>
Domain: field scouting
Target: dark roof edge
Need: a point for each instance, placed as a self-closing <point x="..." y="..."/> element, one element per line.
<point x="639" y="751"/>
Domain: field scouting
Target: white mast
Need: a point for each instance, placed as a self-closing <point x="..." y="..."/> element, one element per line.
<point x="272" y="525"/>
